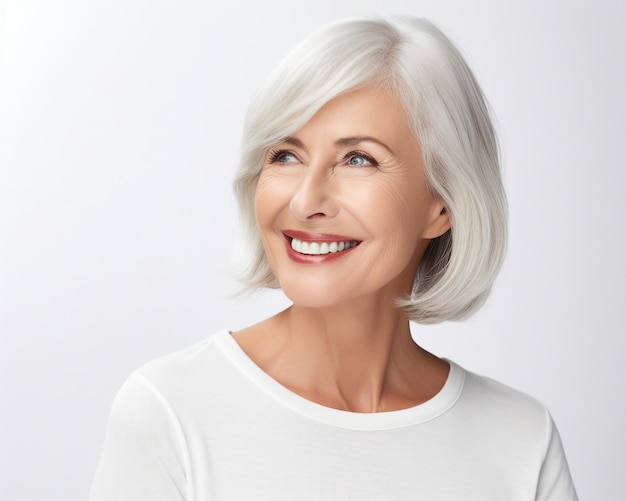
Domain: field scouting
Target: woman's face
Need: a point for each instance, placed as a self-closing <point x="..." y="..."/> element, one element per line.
<point x="343" y="204"/>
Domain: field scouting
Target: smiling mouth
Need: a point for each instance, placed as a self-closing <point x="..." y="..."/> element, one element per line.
<point x="320" y="248"/>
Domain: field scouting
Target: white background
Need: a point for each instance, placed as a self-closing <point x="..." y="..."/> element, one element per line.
<point x="120" y="124"/>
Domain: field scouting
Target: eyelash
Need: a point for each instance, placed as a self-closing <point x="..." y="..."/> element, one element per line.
<point x="274" y="155"/>
<point x="367" y="157"/>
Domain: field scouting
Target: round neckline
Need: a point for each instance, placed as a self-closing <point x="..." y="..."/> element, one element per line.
<point x="443" y="400"/>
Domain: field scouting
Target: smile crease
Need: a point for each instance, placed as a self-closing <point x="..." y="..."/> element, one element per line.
<point x="319" y="248"/>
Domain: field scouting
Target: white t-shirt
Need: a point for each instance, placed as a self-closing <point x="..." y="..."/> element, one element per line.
<point x="207" y="424"/>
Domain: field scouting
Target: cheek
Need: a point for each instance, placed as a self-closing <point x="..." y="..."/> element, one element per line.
<point x="269" y="197"/>
<point x="271" y="203"/>
<point x="387" y="207"/>
<point x="265" y="212"/>
<point x="260" y="205"/>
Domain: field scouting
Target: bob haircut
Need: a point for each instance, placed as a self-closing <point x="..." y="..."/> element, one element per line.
<point x="446" y="109"/>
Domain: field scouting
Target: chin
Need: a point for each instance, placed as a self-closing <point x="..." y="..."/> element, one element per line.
<point x="308" y="299"/>
<point x="311" y="295"/>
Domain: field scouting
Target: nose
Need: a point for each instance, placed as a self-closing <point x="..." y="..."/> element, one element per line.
<point x="313" y="198"/>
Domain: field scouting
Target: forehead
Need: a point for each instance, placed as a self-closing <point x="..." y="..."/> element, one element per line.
<point x="364" y="112"/>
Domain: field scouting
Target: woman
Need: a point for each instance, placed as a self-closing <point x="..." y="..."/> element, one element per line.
<point x="370" y="189"/>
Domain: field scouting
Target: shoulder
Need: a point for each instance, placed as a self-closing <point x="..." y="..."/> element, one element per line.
<point x="504" y="416"/>
<point x="517" y="429"/>
<point x="524" y="425"/>
<point x="151" y="426"/>
<point x="499" y="400"/>
<point x="176" y="382"/>
<point x="163" y="393"/>
<point x="192" y="364"/>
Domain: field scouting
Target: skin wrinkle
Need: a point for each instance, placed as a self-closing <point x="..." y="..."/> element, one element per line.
<point x="343" y="343"/>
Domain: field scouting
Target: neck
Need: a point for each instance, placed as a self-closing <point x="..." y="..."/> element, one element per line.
<point x="356" y="357"/>
<point x="352" y="353"/>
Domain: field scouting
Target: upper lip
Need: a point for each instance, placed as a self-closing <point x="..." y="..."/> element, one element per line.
<point x="318" y="237"/>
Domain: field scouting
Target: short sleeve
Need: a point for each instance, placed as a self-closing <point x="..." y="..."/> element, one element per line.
<point x="144" y="453"/>
<point x="555" y="482"/>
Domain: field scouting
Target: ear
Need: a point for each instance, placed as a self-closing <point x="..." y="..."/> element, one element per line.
<point x="439" y="222"/>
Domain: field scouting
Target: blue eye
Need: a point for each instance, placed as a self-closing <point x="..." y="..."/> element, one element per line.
<point x="281" y="157"/>
<point x="285" y="158"/>
<point x="357" y="159"/>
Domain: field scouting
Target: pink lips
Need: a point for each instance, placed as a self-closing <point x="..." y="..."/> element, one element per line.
<point x="319" y="238"/>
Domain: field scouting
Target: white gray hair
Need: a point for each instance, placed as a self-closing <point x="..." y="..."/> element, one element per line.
<point x="448" y="113"/>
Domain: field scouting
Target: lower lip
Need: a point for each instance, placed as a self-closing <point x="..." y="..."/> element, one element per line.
<point x="315" y="258"/>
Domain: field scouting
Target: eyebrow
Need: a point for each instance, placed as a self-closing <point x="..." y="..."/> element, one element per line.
<point x="342" y="142"/>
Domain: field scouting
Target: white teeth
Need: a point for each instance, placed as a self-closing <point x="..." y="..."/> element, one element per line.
<point x="315" y="249"/>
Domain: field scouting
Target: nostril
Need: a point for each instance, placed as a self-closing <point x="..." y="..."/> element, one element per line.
<point x="310" y="204"/>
